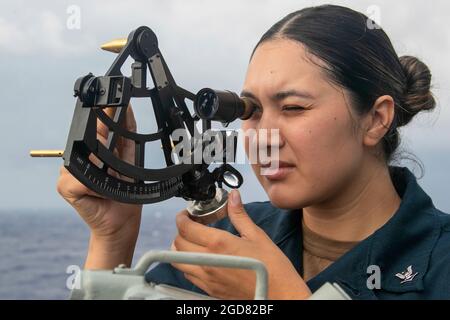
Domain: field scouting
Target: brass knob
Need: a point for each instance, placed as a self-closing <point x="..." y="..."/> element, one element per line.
<point x="114" y="45"/>
<point x="46" y="153"/>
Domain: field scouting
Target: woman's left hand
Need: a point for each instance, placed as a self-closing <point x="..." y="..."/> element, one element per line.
<point x="227" y="283"/>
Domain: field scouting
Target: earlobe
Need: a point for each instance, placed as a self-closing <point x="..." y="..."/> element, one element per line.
<point x="379" y="120"/>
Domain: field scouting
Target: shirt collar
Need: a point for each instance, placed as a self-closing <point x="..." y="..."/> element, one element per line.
<point x="407" y="239"/>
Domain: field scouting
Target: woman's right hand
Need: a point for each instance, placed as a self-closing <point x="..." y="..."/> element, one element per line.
<point x="114" y="226"/>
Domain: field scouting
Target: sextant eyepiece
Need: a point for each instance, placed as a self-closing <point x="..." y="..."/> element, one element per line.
<point x="224" y="106"/>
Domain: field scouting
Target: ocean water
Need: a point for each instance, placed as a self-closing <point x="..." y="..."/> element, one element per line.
<point x="36" y="249"/>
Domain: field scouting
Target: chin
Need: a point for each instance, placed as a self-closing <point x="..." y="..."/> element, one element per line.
<point x="284" y="197"/>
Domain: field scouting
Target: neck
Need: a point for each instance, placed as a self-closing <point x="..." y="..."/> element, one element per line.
<point x="360" y="209"/>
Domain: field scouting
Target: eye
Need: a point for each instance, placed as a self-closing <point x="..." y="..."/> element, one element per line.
<point x="293" y="108"/>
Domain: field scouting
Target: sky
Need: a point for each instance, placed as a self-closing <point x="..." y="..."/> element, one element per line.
<point x="206" y="44"/>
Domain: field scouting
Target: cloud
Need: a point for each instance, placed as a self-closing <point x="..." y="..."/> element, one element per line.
<point x="43" y="32"/>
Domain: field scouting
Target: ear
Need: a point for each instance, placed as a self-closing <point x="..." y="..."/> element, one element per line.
<point x="379" y="120"/>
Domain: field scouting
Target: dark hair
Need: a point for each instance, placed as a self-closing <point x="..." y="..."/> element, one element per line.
<point x="362" y="60"/>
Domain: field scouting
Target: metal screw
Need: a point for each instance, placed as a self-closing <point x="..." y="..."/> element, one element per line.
<point x="197" y="174"/>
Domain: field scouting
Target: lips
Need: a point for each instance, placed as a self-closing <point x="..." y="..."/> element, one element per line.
<point x="279" y="164"/>
<point x="277" y="171"/>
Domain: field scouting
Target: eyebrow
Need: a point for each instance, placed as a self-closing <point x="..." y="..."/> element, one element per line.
<point x="279" y="96"/>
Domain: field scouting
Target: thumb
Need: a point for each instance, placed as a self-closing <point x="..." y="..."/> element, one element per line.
<point x="239" y="217"/>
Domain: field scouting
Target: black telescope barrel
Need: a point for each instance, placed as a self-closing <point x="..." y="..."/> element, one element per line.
<point x="223" y="106"/>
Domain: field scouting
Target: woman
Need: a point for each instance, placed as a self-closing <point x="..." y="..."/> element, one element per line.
<point x="338" y="93"/>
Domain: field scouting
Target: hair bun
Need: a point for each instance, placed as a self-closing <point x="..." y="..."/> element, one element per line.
<point x="417" y="95"/>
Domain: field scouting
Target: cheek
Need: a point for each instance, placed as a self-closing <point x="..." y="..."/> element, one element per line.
<point x="324" y="148"/>
<point x="319" y="138"/>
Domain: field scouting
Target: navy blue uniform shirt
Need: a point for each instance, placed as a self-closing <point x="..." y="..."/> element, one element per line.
<point x="416" y="237"/>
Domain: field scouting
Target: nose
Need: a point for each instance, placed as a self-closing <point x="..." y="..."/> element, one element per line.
<point x="270" y="131"/>
<point x="270" y="138"/>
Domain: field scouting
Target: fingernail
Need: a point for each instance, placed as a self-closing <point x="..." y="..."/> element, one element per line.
<point x="235" y="198"/>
